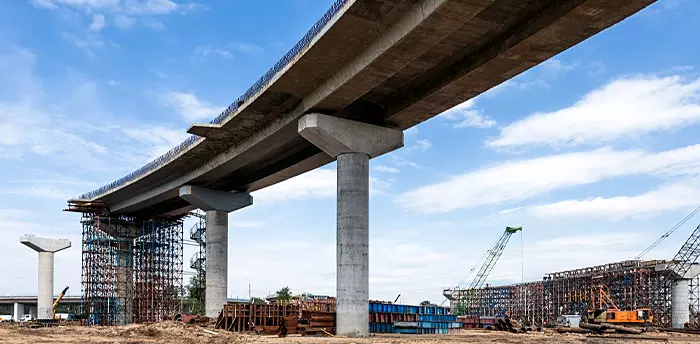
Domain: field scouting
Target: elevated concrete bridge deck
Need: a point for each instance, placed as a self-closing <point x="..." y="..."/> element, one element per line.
<point x="393" y="63"/>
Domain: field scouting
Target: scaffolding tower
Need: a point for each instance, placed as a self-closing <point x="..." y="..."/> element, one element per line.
<point x="199" y="258"/>
<point x="131" y="268"/>
<point x="630" y="284"/>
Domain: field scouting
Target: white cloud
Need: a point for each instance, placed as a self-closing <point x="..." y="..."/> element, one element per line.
<point x="203" y="51"/>
<point x="158" y="139"/>
<point x="123" y="21"/>
<point x="555" y="67"/>
<point x="149" y="6"/>
<point x="155" y="24"/>
<point x="673" y="196"/>
<point x="122" y="11"/>
<point x="315" y="184"/>
<point x="515" y="181"/>
<point x="318" y="183"/>
<point x="98" y="22"/>
<point x="624" y="108"/>
<point x="89" y="42"/>
<point x="400" y="161"/>
<point x="385" y="168"/>
<point x="191" y="108"/>
<point x="248" y="48"/>
<point x="465" y="115"/>
<point x="424" y="144"/>
<point x="142" y="7"/>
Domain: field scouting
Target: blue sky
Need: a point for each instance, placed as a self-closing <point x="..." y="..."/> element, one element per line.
<point x="595" y="152"/>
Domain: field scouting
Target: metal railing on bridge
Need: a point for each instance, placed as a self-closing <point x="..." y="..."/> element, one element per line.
<point x="255" y="88"/>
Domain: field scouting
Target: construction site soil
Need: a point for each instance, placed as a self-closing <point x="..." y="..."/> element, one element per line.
<point x="179" y="333"/>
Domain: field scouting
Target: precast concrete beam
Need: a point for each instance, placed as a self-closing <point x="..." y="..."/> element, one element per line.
<point x="207" y="199"/>
<point x="46" y="248"/>
<point x="336" y="136"/>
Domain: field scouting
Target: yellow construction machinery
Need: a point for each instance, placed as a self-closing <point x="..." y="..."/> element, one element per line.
<point x="58" y="299"/>
<point x="606" y="311"/>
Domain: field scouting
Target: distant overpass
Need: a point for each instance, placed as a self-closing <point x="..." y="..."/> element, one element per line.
<point x="365" y="72"/>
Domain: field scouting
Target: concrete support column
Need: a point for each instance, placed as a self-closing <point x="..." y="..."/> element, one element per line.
<point x="680" y="301"/>
<point x="46" y="248"/>
<point x="217" y="205"/>
<point x="352" y="144"/>
<point x="125" y="283"/>
<point x="18" y="312"/>
<point x="217" y="262"/>
<point x="45" y="278"/>
<point x="352" y="254"/>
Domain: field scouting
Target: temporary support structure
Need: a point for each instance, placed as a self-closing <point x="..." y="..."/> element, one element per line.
<point x="629" y="284"/>
<point x="132" y="268"/>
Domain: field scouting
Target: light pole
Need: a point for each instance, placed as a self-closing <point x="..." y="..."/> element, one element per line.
<point x="250" y="297"/>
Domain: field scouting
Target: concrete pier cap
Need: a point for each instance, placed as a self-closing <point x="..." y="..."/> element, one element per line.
<point x="352" y="144"/>
<point x="46" y="247"/>
<point x="40" y="244"/>
<point x="336" y="136"/>
<point x="208" y="199"/>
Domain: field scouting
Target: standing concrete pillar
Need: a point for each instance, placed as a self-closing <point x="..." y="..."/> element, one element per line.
<point x="353" y="243"/>
<point x="124" y="286"/>
<point x="18" y="312"/>
<point x="680" y="300"/>
<point x="217" y="262"/>
<point x="352" y="144"/>
<point x="46" y="248"/>
<point x="217" y="205"/>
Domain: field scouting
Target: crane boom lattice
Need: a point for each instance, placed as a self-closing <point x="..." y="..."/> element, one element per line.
<point x="489" y="260"/>
<point x="688" y="254"/>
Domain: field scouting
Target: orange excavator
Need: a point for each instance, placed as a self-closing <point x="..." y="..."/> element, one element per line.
<point x="606" y="311"/>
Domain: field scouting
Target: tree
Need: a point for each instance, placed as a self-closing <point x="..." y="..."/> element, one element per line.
<point x="195" y="294"/>
<point x="258" y="301"/>
<point x="284" y="294"/>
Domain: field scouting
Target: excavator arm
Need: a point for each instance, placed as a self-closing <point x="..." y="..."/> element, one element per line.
<point x="58" y="299"/>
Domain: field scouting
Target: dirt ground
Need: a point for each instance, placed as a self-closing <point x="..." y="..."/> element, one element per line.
<point x="178" y="333"/>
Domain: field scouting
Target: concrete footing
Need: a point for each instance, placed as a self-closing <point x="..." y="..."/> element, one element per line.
<point x="352" y="144"/>
<point x="46" y="248"/>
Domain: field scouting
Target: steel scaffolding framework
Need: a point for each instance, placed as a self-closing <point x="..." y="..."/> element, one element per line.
<point x="131" y="269"/>
<point x="630" y="284"/>
<point x="199" y="258"/>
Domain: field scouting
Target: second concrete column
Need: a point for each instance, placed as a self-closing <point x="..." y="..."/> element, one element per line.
<point x="45" y="297"/>
<point x="217" y="262"/>
<point x="353" y="245"/>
